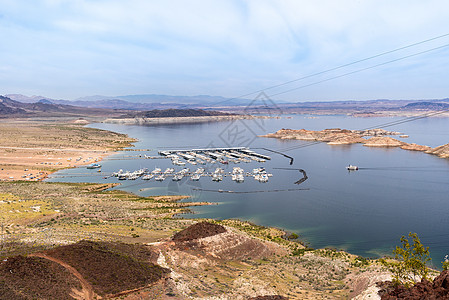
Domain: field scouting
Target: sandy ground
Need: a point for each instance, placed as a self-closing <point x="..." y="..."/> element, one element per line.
<point x="37" y="163"/>
<point x="31" y="150"/>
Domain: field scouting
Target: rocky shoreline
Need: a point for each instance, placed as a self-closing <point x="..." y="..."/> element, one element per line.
<point x="369" y="138"/>
<point x="178" y="120"/>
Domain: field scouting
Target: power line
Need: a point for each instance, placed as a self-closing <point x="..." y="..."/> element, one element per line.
<point x="352" y="63"/>
<point x="337" y="68"/>
<point x="360" y="70"/>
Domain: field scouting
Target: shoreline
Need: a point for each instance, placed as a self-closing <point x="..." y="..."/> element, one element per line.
<point x="179" y="120"/>
<point x="47" y="147"/>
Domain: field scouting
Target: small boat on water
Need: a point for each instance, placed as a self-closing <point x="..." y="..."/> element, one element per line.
<point x="93" y="166"/>
<point x="177" y="177"/>
<point x="239" y="178"/>
<point x="180" y="163"/>
<point x="263" y="177"/>
<point x="169" y="171"/>
<point x="147" y="177"/>
<point x="156" y="171"/>
<point x="195" y="177"/>
<point x="258" y="170"/>
<point x="217" y="177"/>
<point x="352" y="168"/>
<point x="133" y="177"/>
<point x="160" y="178"/>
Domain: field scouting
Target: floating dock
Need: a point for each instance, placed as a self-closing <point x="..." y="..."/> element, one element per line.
<point x="215" y="153"/>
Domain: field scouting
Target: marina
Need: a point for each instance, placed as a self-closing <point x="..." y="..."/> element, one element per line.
<point x="213" y="155"/>
<point x="237" y="174"/>
<point x="195" y="157"/>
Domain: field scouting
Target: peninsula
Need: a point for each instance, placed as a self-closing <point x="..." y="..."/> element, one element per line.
<point x="174" y="116"/>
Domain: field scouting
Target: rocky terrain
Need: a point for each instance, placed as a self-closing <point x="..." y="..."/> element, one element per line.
<point x="208" y="260"/>
<point x="332" y="136"/>
<point x="87" y="227"/>
<point x="85" y="237"/>
<point x="84" y="270"/>
<point x="437" y="289"/>
<point x="369" y="138"/>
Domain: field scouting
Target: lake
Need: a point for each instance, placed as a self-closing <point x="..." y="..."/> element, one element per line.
<point x="363" y="212"/>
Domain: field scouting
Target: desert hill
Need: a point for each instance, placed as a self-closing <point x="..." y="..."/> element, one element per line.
<point x="205" y="260"/>
<point x="79" y="271"/>
<point x="173" y="113"/>
<point x="89" y="269"/>
<point x="11" y="108"/>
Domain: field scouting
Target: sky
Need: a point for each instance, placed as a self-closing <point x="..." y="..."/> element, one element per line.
<point x="65" y="49"/>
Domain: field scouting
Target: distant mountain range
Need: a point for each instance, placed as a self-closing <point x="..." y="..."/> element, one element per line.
<point x="138" y="102"/>
<point x="43" y="107"/>
<point x="205" y="102"/>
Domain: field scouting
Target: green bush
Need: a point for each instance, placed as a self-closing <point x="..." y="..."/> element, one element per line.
<point x="410" y="266"/>
<point x="446" y="263"/>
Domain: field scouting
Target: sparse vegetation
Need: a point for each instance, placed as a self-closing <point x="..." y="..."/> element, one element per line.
<point x="38" y="216"/>
<point x="445" y="263"/>
<point x="410" y="265"/>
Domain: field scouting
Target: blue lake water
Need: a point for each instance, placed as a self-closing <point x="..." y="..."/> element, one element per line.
<point x="363" y="212"/>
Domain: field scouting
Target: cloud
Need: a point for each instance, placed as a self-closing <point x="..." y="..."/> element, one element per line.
<point x="65" y="48"/>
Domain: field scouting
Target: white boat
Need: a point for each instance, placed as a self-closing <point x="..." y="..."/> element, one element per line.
<point x="177" y="177"/>
<point x="239" y="178"/>
<point x="169" y="171"/>
<point x="160" y="178"/>
<point x="352" y="168"/>
<point x="195" y="177"/>
<point x="147" y="177"/>
<point x="116" y="174"/>
<point x="184" y="171"/>
<point x="258" y="170"/>
<point x="93" y="166"/>
<point x="263" y="178"/>
<point x="133" y="177"/>
<point x="217" y="177"/>
<point x="156" y="170"/>
<point x="199" y="171"/>
<point x="237" y="170"/>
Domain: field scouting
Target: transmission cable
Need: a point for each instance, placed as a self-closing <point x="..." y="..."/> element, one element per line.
<point x="334" y="68"/>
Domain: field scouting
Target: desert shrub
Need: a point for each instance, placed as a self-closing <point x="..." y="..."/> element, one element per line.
<point x="410" y="265"/>
<point x="446" y="263"/>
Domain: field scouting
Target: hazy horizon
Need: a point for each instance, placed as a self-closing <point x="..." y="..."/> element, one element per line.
<point x="70" y="49"/>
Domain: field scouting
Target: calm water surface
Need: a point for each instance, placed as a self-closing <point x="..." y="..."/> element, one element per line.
<point x="364" y="212"/>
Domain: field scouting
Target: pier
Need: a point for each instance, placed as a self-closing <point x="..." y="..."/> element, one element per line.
<point x="218" y="154"/>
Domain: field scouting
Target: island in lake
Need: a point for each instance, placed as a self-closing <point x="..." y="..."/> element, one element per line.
<point x="370" y="138"/>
